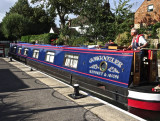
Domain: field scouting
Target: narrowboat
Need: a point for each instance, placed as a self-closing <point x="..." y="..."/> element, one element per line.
<point x="127" y="77"/>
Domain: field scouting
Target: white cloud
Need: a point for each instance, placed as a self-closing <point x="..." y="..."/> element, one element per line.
<point x="5" y="5"/>
<point x="1" y="16"/>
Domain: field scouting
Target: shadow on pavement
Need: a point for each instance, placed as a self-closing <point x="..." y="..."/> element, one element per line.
<point x="10" y="84"/>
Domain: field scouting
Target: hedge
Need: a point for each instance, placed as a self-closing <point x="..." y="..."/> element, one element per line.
<point x="42" y="38"/>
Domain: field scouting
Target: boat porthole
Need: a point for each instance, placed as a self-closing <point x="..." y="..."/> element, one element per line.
<point x="103" y="66"/>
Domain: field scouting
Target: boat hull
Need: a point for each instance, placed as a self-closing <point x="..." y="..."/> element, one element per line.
<point x="142" y="100"/>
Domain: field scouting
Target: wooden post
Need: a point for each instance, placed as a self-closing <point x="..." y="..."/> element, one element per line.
<point x="137" y="65"/>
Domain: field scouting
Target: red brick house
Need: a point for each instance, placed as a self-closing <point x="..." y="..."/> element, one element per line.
<point x="147" y="14"/>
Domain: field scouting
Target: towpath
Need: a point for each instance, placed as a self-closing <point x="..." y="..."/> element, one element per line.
<point x="33" y="96"/>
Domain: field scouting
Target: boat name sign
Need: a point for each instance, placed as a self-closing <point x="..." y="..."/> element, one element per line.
<point x="99" y="69"/>
<point x="106" y="58"/>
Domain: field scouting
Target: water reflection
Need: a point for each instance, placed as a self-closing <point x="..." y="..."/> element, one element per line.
<point x="145" y="114"/>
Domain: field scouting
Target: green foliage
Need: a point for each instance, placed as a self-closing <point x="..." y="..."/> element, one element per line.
<point x="14" y="25"/>
<point x="103" y="24"/>
<point x="145" y="30"/>
<point x="98" y="17"/>
<point x="60" y="40"/>
<point x="79" y="41"/>
<point x="41" y="22"/>
<point x="123" y="17"/>
<point x="42" y="39"/>
<point x="62" y="8"/>
<point x="25" y="20"/>
<point x="26" y="38"/>
<point x="158" y="32"/>
<point x="21" y="7"/>
<point x="123" y="39"/>
<point x="69" y="31"/>
<point x="66" y="36"/>
<point x="2" y="37"/>
<point x="154" y="30"/>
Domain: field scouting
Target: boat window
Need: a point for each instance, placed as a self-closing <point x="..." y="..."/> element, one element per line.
<point x="14" y="49"/>
<point x="19" y="50"/>
<point x="25" y="51"/>
<point x="50" y="57"/>
<point x="35" y="54"/>
<point x="71" y="60"/>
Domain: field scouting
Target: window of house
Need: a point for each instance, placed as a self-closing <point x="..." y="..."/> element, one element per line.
<point x="35" y="54"/>
<point x="150" y="8"/>
<point x="19" y="50"/>
<point x="71" y="60"/>
<point x="50" y="57"/>
<point x="148" y="0"/>
<point x="26" y="51"/>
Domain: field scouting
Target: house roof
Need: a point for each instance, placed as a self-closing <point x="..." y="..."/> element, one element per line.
<point x="54" y="30"/>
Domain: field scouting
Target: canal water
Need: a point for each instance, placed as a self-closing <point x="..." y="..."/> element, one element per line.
<point x="145" y="114"/>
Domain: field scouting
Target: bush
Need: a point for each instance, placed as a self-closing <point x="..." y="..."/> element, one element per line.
<point x="123" y="39"/>
<point x="26" y="38"/>
<point x="79" y="41"/>
<point x="154" y="30"/>
<point x="42" y="38"/>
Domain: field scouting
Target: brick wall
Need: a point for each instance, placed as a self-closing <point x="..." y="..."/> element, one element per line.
<point x="143" y="17"/>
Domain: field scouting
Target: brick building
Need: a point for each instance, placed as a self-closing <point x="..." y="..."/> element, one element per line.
<point x="147" y="14"/>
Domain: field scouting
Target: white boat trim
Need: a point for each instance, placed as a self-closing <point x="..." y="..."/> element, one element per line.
<point x="144" y="96"/>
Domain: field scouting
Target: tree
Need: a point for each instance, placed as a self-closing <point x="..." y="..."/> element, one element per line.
<point x="37" y="20"/>
<point x="14" y="25"/>
<point x="40" y="21"/>
<point x="104" y="23"/>
<point x="22" y="7"/>
<point x="1" y="34"/>
<point x="154" y="30"/>
<point x="124" y="18"/>
<point x="98" y="17"/>
<point x="62" y="8"/>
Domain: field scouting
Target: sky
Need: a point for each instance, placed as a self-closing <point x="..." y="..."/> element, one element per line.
<point x="5" y="5"/>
